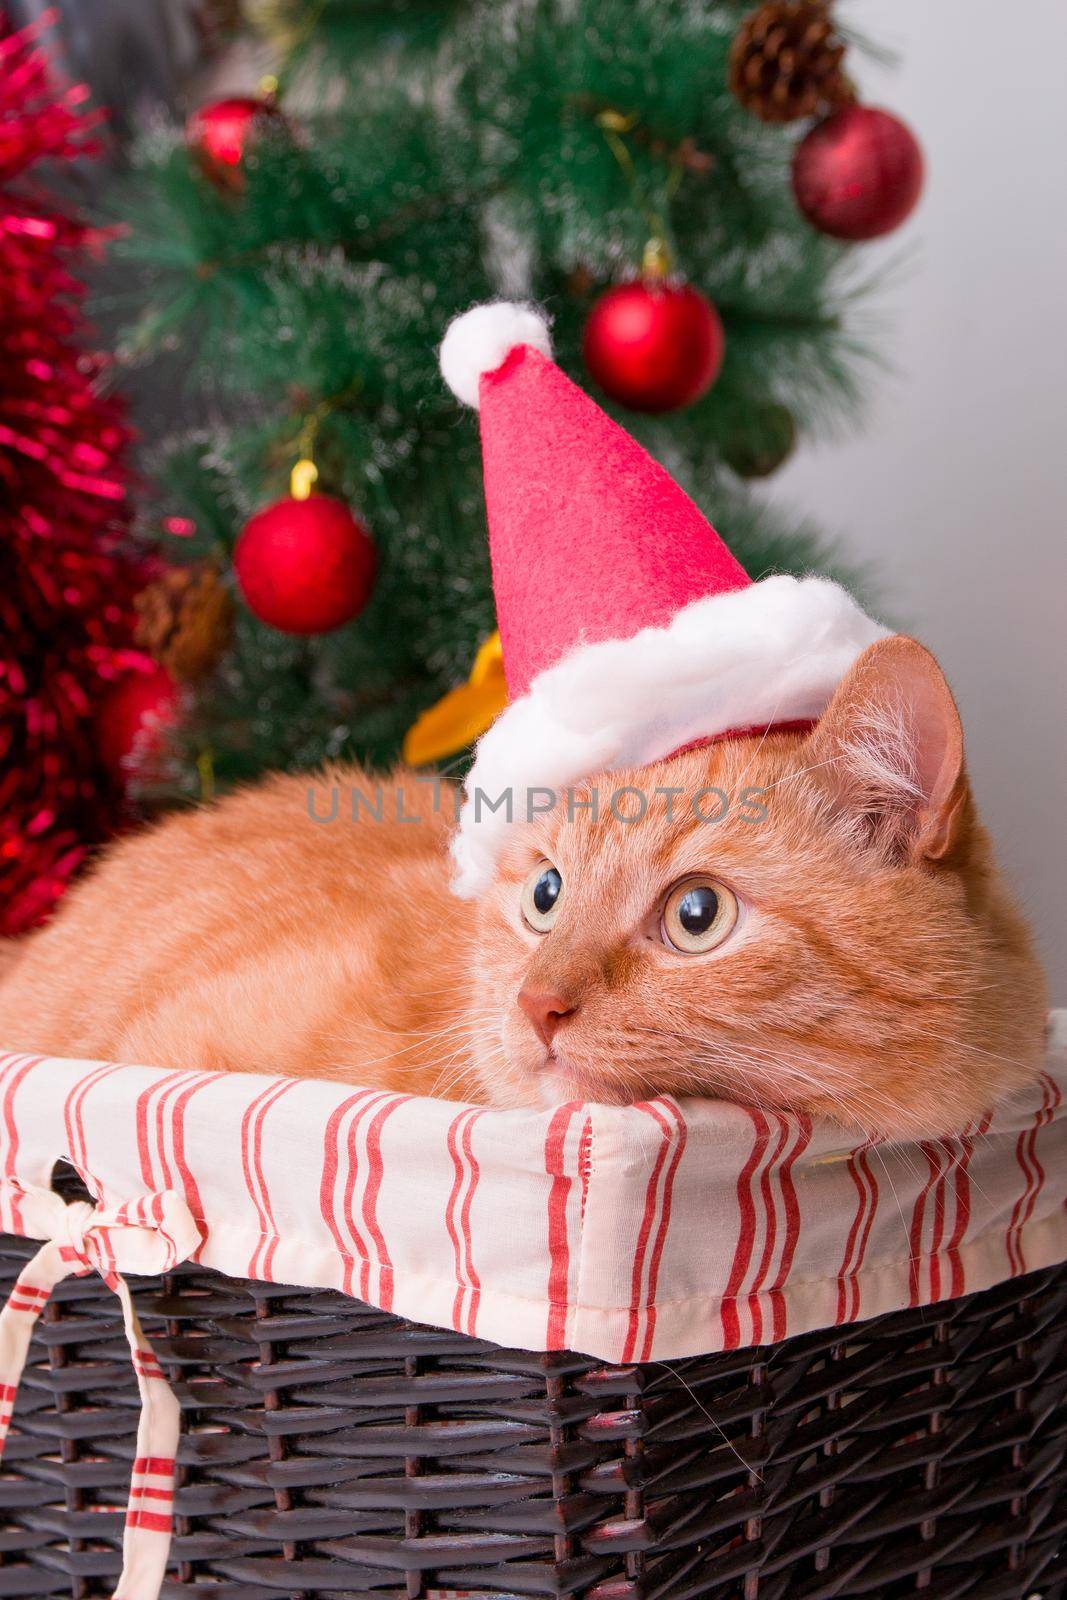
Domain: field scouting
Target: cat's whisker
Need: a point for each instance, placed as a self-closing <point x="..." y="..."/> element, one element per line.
<point x="789" y="1072"/>
<point x="765" y="734"/>
<point x="961" y="1044"/>
<point x="800" y="772"/>
<point x="727" y="1441"/>
<point x="875" y="1150"/>
<point x="424" y="1042"/>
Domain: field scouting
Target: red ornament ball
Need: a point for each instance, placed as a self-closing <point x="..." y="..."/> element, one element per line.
<point x="652" y="345"/>
<point x="219" y="135"/>
<point x="132" y="720"/>
<point x="858" y="173"/>
<point x="305" y="566"/>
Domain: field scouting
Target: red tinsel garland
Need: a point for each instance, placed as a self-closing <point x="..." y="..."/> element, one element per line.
<point x="66" y="578"/>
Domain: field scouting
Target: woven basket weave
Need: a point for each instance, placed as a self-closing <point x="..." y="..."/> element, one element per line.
<point x="332" y="1450"/>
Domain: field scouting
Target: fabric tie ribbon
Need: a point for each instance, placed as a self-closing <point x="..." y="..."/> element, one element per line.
<point x="150" y="1235"/>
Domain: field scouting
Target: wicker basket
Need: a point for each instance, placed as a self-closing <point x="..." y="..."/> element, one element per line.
<point x="331" y="1450"/>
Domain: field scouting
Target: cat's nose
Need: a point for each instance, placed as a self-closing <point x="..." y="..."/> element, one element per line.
<point x="545" y="1010"/>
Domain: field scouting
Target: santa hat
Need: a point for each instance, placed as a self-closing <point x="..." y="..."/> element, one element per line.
<point x="629" y="631"/>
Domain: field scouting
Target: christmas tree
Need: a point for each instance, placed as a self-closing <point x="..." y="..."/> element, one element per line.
<point x="74" y="691"/>
<point x="306" y="245"/>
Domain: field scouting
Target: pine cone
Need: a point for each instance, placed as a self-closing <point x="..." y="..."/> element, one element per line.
<point x="785" y="61"/>
<point x="185" y="620"/>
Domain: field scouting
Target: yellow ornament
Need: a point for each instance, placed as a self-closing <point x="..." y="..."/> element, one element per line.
<point x="302" y="479"/>
<point x="464" y="713"/>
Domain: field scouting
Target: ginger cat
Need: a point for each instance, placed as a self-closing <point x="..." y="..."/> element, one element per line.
<point x="838" y="942"/>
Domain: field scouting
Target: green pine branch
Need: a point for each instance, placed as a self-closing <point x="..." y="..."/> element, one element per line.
<point x="435" y="155"/>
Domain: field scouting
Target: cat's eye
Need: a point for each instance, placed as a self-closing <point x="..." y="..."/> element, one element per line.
<point x="541" y="894"/>
<point x="698" y="916"/>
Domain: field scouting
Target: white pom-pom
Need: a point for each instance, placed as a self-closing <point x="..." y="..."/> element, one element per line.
<point x="481" y="339"/>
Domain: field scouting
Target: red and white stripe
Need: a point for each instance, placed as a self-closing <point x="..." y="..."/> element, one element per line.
<point x="849" y="1293"/>
<point x="466" y="1173"/>
<point x="252" y="1127"/>
<point x="655" y="1222"/>
<point x="79" y="1238"/>
<point x="940" y="1217"/>
<point x="957" y="1280"/>
<point x="799" y="1139"/>
<point x="769" y="1224"/>
<point x="1033" y="1173"/>
<point x="27" y="1299"/>
<point x="149" y="1509"/>
<point x="74" y="1121"/>
<point x="928" y="1219"/>
<point x="14" y="1070"/>
<point x="160" y="1114"/>
<point x="564" y="1143"/>
<point x="151" y="1499"/>
<point x="8" y="1391"/>
<point x="352" y="1173"/>
<point x="640" y="1232"/>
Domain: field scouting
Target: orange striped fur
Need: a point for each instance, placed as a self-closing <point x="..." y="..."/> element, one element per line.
<point x="879" y="971"/>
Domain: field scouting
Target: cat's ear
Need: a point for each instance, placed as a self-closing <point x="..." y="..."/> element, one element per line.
<point x="889" y="748"/>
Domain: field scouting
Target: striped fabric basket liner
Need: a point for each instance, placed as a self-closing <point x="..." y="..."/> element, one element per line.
<point x="395" y="1286"/>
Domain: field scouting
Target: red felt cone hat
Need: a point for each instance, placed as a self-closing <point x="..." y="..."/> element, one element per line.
<point x="628" y="628"/>
<point x="582" y="518"/>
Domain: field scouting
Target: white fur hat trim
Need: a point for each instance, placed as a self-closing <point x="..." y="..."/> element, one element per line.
<point x="481" y="340"/>
<point x="772" y="652"/>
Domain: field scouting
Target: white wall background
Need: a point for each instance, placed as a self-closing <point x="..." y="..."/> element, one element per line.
<point x="957" y="487"/>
